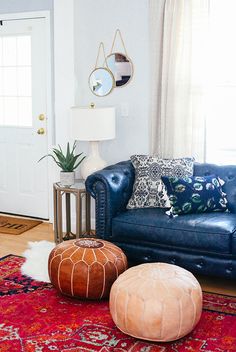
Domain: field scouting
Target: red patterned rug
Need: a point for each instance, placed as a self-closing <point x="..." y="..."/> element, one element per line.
<point x="34" y="317"/>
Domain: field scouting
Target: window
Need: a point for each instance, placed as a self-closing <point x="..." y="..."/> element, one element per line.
<point x="15" y="81"/>
<point x="221" y="90"/>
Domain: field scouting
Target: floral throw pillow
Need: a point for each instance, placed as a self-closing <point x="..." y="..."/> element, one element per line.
<point x="149" y="190"/>
<point x="196" y="194"/>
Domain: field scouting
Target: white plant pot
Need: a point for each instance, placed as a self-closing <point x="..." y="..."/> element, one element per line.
<point x="67" y="178"/>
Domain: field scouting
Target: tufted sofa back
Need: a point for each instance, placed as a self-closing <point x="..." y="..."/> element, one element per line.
<point x="226" y="173"/>
<point x="115" y="183"/>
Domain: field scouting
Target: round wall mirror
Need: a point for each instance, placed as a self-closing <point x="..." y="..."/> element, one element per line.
<point x="101" y="81"/>
<point x="121" y="67"/>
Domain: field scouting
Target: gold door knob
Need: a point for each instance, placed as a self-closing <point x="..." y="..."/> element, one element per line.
<point x="41" y="117"/>
<point x="41" y="131"/>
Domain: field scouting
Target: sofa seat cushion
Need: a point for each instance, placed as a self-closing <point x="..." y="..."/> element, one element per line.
<point x="207" y="232"/>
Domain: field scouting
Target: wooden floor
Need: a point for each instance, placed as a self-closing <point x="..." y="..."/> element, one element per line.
<point x="17" y="244"/>
<point x="12" y="244"/>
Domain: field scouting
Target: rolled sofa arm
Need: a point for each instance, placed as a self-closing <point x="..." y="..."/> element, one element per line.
<point x="111" y="187"/>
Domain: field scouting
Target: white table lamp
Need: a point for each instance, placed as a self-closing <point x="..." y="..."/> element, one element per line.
<point x="92" y="124"/>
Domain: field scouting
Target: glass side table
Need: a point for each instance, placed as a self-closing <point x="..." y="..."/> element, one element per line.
<point x="79" y="192"/>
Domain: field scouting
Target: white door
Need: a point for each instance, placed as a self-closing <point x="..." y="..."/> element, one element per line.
<point x="23" y="112"/>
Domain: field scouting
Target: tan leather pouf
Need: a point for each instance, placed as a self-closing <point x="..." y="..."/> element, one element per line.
<point x="156" y="301"/>
<point x="85" y="268"/>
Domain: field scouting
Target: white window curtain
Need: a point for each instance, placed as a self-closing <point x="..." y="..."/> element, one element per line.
<point x="178" y="30"/>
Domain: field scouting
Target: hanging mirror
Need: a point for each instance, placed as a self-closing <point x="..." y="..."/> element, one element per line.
<point x="121" y="68"/>
<point x="101" y="80"/>
<point x="120" y="64"/>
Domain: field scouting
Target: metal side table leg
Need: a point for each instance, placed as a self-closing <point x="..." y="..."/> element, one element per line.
<point x="59" y="216"/>
<point x="88" y="214"/>
<point x="56" y="235"/>
<point x="78" y="215"/>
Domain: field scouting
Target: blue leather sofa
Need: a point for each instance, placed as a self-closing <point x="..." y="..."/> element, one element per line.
<point x="202" y="243"/>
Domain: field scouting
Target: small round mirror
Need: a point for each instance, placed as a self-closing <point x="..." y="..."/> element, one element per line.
<point x="122" y="68"/>
<point x="101" y="81"/>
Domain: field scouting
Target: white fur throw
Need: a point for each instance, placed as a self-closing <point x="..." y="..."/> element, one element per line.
<point x="36" y="264"/>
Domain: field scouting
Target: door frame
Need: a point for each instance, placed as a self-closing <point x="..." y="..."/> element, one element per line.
<point x="49" y="84"/>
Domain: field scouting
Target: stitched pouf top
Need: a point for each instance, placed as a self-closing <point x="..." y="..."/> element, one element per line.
<point x="156" y="301"/>
<point x="86" y="267"/>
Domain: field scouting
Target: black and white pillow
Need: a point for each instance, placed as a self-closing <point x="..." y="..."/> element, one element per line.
<point x="149" y="190"/>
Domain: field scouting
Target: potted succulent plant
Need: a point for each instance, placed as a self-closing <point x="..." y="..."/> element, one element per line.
<point x="68" y="162"/>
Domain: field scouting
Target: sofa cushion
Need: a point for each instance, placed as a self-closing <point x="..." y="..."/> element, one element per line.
<point x="226" y="173"/>
<point x="206" y="232"/>
<point x="148" y="189"/>
<point x="197" y="194"/>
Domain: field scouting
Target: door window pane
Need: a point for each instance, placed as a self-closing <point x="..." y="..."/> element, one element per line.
<point x="1" y="81"/>
<point x="24" y="50"/>
<point x="1" y="111"/>
<point x="24" y="111"/>
<point x="10" y="110"/>
<point x="9" y="82"/>
<point x="0" y="51"/>
<point x="24" y="81"/>
<point x="15" y="81"/>
<point x="9" y="50"/>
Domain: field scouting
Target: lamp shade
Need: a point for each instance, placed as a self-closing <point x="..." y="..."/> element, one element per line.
<point x="92" y="124"/>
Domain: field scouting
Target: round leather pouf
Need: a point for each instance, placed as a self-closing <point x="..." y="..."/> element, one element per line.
<point x="85" y="268"/>
<point x="156" y="302"/>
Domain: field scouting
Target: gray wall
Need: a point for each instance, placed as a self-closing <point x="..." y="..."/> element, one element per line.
<point x="7" y="6"/>
<point x="96" y="21"/>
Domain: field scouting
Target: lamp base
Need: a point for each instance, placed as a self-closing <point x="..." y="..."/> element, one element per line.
<point x="93" y="162"/>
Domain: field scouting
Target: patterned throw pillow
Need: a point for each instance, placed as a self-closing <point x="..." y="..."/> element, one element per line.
<point x="196" y="194"/>
<point x="149" y="190"/>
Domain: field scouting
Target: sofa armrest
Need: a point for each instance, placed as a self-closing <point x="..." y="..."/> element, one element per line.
<point x="111" y="187"/>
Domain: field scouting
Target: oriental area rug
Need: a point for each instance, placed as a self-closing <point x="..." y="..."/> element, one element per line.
<point x="35" y="317"/>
